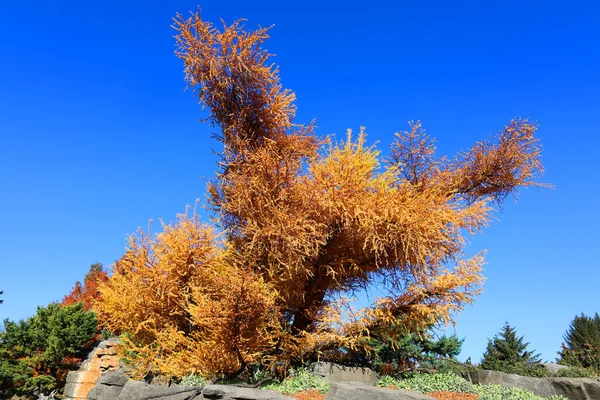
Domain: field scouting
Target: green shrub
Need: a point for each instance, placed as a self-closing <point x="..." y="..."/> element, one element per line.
<point x="575" y="372"/>
<point x="258" y="376"/>
<point x="193" y="380"/>
<point x="105" y="334"/>
<point x="32" y="350"/>
<point x="451" y="383"/>
<point x="387" y="381"/>
<point x="497" y="392"/>
<point x="425" y="383"/>
<point x="301" y="380"/>
<point x="523" y="369"/>
<point x="407" y="350"/>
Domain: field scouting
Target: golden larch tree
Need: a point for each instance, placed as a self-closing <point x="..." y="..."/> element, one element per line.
<point x="303" y="223"/>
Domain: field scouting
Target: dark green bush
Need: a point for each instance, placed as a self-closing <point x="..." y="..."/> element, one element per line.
<point x="412" y="351"/>
<point x="32" y="351"/>
<point x="576" y="372"/>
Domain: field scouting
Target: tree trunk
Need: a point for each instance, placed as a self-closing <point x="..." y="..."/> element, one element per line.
<point x="304" y="316"/>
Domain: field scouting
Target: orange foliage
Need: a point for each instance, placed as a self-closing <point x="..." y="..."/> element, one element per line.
<point x="306" y="222"/>
<point x="182" y="291"/>
<point x="309" y="395"/>
<point x="88" y="292"/>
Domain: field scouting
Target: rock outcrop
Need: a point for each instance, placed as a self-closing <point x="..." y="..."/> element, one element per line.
<point x="553" y="368"/>
<point x="361" y="391"/>
<point x="226" y="392"/>
<point x="116" y="386"/>
<point x="136" y="390"/>
<point x="109" y="386"/>
<point x="339" y="373"/>
<point x="571" y="388"/>
<point x="102" y="359"/>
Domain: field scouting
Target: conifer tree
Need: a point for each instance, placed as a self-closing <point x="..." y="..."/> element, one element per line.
<point x="506" y="350"/>
<point x="303" y="223"/>
<point x="581" y="347"/>
<point x="33" y="351"/>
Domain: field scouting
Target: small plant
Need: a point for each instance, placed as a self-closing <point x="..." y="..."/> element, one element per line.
<point x="497" y="392"/>
<point x="575" y="372"/>
<point x="301" y="380"/>
<point x="105" y="334"/>
<point x="388" y="381"/>
<point x="447" y="382"/>
<point x="259" y="375"/>
<point x="523" y="369"/>
<point x="193" y="380"/>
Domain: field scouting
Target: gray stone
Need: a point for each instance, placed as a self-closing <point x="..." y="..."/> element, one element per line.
<point x="227" y="392"/>
<point x="93" y="393"/>
<point x="70" y="390"/>
<point x="592" y="388"/>
<point x="553" y="368"/>
<point x="105" y="392"/>
<point x="136" y="390"/>
<point x="113" y="378"/>
<point x="539" y="386"/>
<point x="361" y="391"/>
<point x="111" y="342"/>
<point x="73" y="376"/>
<point x="571" y="388"/>
<point x="340" y="373"/>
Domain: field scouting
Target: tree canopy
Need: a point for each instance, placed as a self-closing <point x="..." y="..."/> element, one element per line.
<point x="581" y="347"/>
<point x="303" y="223"/>
<point x="33" y="352"/>
<point x="506" y="351"/>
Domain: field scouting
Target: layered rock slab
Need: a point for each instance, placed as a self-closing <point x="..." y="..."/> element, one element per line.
<point x="361" y="391"/>
<point x="571" y="388"/>
<point x="339" y="373"/>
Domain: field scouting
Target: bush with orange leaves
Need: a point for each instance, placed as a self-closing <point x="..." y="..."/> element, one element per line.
<point x="187" y="305"/>
<point x="304" y="222"/>
<point x="88" y="292"/>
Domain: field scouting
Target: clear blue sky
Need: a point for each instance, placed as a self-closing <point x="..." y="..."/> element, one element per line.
<point x="98" y="136"/>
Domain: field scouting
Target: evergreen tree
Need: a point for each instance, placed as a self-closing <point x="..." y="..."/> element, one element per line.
<point x="407" y="353"/>
<point x="506" y="352"/>
<point x="32" y="351"/>
<point x="581" y="347"/>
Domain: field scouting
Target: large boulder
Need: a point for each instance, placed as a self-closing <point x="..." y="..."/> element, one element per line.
<point x="571" y="388"/>
<point x="339" y="373"/>
<point x="109" y="386"/>
<point x="539" y="386"/>
<point x="553" y="368"/>
<point x="227" y="392"/>
<point x="116" y="386"/>
<point x="136" y="390"/>
<point x="361" y="391"/>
